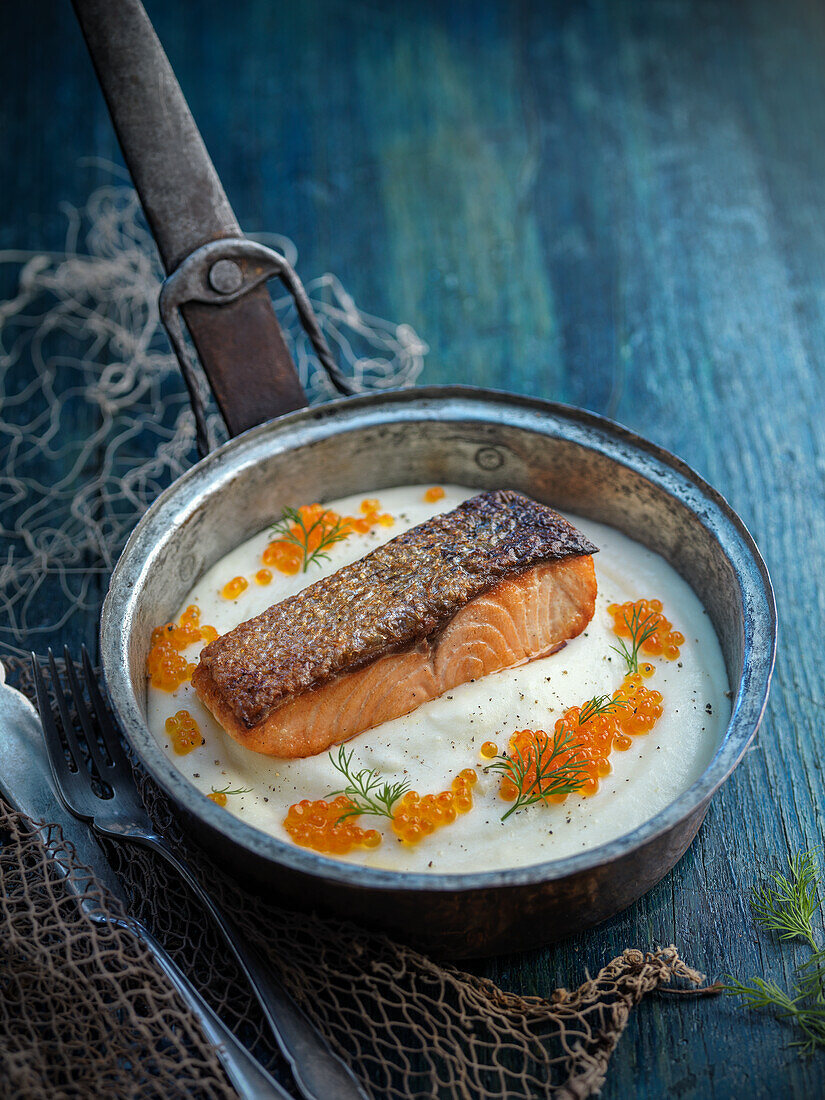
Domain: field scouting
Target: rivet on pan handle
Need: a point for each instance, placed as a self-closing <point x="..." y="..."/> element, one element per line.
<point x="222" y="272"/>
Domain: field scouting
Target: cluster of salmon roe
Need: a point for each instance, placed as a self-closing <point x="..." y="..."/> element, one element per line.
<point x="434" y="494"/>
<point x="318" y="825"/>
<point x="638" y="711"/>
<point x="184" y="732"/>
<point x="165" y="663"/>
<point x="319" y="525"/>
<point x="591" y="735"/>
<point x="643" y="706"/>
<point x="663" y="642"/>
<point x="234" y="588"/>
<point x="416" y="817"/>
<point x="536" y="748"/>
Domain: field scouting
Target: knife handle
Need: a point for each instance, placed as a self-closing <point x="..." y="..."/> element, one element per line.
<point x="250" y="1079"/>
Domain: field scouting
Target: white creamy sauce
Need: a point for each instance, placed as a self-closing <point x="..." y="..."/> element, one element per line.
<point x="431" y="745"/>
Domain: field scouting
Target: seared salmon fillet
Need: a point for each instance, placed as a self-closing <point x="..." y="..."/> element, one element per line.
<point x="498" y="581"/>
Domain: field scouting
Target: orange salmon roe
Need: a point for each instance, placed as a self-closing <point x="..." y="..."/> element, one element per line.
<point x="489" y="749"/>
<point x="590" y="741"/>
<point x="434" y="494"/>
<point x="319" y="524"/>
<point x="284" y="556"/>
<point x="184" y="732"/>
<point x="165" y="663"/>
<point x="232" y="589"/>
<point x="535" y="748"/>
<point x="663" y="642"/>
<point x="317" y="825"/>
<point x="644" y="707"/>
<point x="371" y="515"/>
<point x="263" y="576"/>
<point x="417" y="817"/>
<point x="220" y="797"/>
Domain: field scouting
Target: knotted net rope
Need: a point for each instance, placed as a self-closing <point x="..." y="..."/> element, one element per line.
<point x="95" y="423"/>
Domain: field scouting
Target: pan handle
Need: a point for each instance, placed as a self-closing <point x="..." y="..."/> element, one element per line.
<point x="220" y="273"/>
<point x="239" y="342"/>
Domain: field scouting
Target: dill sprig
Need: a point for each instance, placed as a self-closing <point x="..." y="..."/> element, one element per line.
<point x="807" y="1015"/>
<point x="553" y="776"/>
<point x="329" y="535"/>
<point x="786" y="905"/>
<point x="810" y="977"/>
<point x="640" y="627"/>
<point x="228" y="790"/>
<point x="365" y="788"/>
<point x="600" y="704"/>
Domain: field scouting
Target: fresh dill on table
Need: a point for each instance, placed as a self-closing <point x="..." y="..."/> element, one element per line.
<point x="641" y="627"/>
<point x="329" y="534"/>
<point x="786" y="904"/>
<point x="553" y="776"/>
<point x="366" y="790"/>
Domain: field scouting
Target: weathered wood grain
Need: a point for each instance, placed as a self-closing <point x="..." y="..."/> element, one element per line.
<point x="617" y="205"/>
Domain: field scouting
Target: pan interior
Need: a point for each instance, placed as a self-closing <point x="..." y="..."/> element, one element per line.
<point x="571" y="460"/>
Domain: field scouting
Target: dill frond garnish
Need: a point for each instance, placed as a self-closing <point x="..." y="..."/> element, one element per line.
<point x="556" y="771"/>
<point x="641" y="627"/>
<point x="327" y="535"/>
<point x="365" y="788"/>
<point x="786" y="905"/>
<point x="600" y="704"/>
<point x="228" y="790"/>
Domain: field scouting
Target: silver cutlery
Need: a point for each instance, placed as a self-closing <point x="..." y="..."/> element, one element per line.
<point x="318" y="1073"/>
<point x="25" y="785"/>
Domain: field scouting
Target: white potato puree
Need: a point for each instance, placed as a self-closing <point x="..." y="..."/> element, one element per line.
<point x="431" y="745"/>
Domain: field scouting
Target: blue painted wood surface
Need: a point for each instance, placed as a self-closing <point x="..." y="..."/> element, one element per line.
<point x="617" y="205"/>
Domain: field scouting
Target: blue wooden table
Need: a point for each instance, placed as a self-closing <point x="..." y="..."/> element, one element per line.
<point x="621" y="206"/>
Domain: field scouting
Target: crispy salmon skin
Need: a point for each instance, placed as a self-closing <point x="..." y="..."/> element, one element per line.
<point x="498" y="581"/>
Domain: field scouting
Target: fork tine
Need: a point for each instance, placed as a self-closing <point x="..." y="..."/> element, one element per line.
<point x="43" y="703"/>
<point x="101" y="763"/>
<point x="65" y="717"/>
<point x="65" y="780"/>
<point x="111" y="738"/>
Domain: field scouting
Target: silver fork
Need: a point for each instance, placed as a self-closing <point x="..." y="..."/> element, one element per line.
<point x="319" y="1074"/>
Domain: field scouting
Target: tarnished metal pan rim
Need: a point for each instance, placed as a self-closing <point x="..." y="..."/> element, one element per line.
<point x="454" y="404"/>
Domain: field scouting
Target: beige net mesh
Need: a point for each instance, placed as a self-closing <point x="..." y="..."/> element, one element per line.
<point x="84" y="1011"/>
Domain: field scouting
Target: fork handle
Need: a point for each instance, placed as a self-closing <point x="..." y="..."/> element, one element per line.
<point x="250" y="1079"/>
<point x="319" y="1073"/>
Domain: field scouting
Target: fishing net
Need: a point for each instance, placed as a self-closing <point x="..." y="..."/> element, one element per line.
<point x="95" y="417"/>
<point x="95" y="424"/>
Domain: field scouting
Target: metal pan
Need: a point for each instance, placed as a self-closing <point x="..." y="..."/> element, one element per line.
<point x="564" y="456"/>
<point x="569" y="458"/>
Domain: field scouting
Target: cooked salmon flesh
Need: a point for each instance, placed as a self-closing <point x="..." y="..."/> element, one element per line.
<point x="499" y="581"/>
